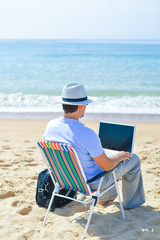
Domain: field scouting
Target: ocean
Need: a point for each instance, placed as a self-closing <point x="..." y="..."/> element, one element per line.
<point x="123" y="76"/>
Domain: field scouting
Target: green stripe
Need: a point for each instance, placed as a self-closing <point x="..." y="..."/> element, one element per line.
<point x="75" y="172"/>
<point x="48" y="160"/>
<point x="48" y="144"/>
<point x="83" y="182"/>
<point x="57" y="167"/>
<point x="66" y="170"/>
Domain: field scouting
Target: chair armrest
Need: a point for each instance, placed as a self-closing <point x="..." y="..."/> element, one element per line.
<point x="100" y="175"/>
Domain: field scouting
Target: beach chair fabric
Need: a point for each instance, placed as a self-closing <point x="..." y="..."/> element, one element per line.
<point x="66" y="172"/>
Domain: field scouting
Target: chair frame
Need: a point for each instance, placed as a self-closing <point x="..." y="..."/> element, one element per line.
<point x="92" y="197"/>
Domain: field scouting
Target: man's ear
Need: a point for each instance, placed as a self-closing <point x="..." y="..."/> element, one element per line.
<point x="80" y="106"/>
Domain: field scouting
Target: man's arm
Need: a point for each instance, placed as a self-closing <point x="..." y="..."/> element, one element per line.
<point x="93" y="145"/>
<point x="107" y="163"/>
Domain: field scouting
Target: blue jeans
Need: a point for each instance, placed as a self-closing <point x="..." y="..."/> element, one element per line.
<point x="132" y="183"/>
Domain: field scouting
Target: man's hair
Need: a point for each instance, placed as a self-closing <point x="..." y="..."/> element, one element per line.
<point x="69" y="108"/>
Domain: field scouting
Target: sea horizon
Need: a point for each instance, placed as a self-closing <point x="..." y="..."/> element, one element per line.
<point x="86" y="39"/>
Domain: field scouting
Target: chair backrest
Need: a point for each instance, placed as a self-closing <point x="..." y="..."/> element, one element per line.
<point x="65" y="166"/>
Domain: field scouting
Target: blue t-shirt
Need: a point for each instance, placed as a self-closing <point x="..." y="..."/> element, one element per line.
<point x="85" y="141"/>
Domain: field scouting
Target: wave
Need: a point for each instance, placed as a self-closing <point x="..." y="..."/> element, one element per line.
<point x="19" y="102"/>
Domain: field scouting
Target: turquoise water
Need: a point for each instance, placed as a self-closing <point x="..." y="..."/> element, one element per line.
<point x="124" y="76"/>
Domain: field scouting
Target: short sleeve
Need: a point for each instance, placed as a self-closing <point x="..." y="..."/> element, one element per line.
<point x="93" y="144"/>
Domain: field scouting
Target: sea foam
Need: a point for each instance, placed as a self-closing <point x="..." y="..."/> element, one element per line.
<point x="20" y="102"/>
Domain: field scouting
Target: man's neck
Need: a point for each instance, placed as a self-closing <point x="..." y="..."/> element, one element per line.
<point x="71" y="115"/>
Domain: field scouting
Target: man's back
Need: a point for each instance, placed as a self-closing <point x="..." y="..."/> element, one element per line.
<point x="84" y="140"/>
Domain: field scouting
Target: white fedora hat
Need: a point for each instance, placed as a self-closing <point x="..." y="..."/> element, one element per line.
<point x="75" y="94"/>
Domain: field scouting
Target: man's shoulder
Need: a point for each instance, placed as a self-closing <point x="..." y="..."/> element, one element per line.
<point x="54" y="121"/>
<point x="89" y="132"/>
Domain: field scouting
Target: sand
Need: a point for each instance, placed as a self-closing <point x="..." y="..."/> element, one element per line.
<point x="21" y="218"/>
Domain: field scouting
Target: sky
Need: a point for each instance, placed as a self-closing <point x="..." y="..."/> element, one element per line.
<point x="80" y="19"/>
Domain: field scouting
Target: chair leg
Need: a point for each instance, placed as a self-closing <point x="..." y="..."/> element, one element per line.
<point x="89" y="219"/>
<point x="120" y="202"/>
<point x="48" y="209"/>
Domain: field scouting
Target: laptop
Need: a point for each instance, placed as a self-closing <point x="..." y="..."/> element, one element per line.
<point x="116" y="137"/>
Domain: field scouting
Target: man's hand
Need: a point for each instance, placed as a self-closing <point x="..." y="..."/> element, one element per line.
<point x="122" y="156"/>
<point x="107" y="163"/>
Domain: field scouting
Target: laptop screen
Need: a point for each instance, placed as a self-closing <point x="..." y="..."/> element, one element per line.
<point x="116" y="136"/>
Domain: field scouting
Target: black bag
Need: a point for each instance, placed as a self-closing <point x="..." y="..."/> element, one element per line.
<point x="44" y="191"/>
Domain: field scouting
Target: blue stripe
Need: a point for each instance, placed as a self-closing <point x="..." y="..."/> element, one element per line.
<point x="74" y="99"/>
<point x="66" y="170"/>
<point x="58" y="169"/>
<point x="51" y="165"/>
<point x="66" y="183"/>
<point x="71" y="163"/>
<point x="66" y="151"/>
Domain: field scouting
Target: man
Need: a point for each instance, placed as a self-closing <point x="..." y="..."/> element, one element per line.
<point x="69" y="129"/>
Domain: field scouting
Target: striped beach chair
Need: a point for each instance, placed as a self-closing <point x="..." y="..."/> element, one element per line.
<point x="66" y="172"/>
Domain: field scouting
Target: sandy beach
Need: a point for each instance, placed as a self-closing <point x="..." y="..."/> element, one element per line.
<point x="21" y="218"/>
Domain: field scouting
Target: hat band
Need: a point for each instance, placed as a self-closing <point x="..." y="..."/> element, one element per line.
<point x="74" y="100"/>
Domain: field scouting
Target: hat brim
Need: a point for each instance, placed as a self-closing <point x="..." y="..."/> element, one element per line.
<point x="88" y="101"/>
